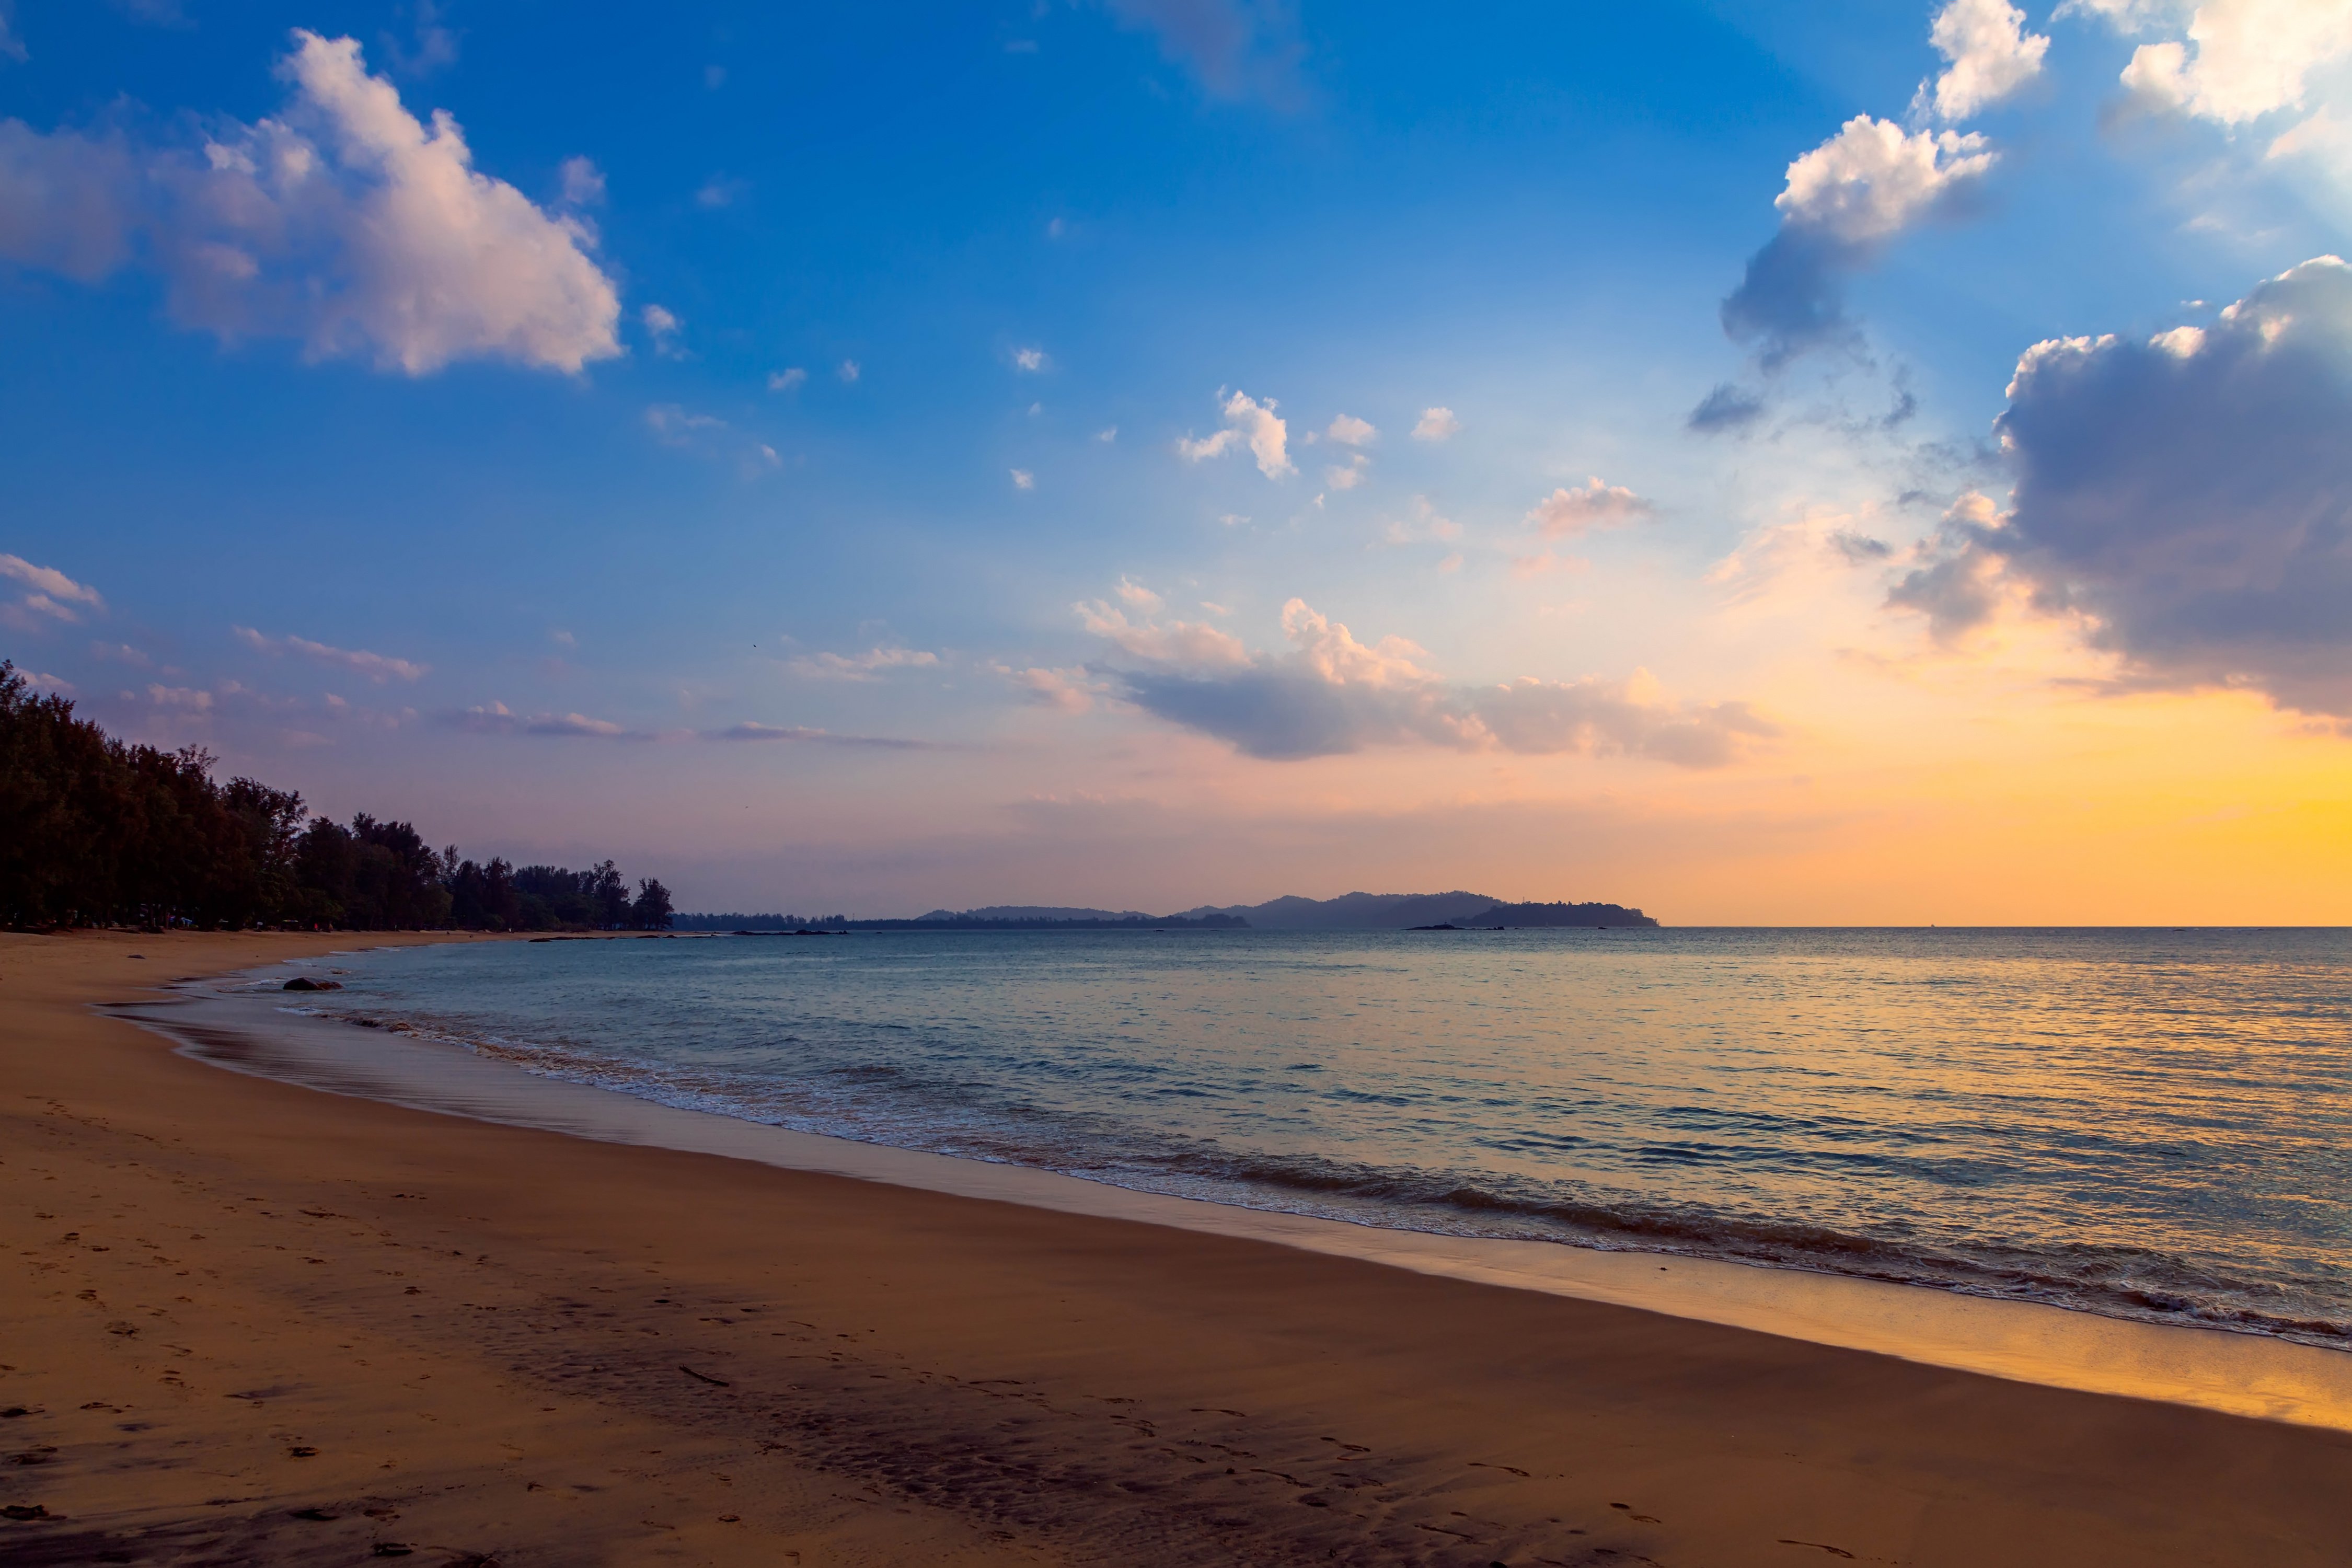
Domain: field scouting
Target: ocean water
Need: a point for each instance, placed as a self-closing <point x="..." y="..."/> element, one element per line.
<point x="2147" y="1125"/>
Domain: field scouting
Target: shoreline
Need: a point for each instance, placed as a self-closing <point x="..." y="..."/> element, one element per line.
<point x="2207" y="1367"/>
<point x="278" y="1325"/>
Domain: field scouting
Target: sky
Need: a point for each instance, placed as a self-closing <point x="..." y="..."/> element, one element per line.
<point x="1811" y="463"/>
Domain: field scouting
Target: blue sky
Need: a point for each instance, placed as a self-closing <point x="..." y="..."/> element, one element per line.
<point x="811" y="454"/>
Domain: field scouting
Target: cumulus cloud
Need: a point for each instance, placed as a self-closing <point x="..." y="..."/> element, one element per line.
<point x="347" y="223"/>
<point x="378" y="668"/>
<point x="1029" y="359"/>
<point x="1990" y="53"/>
<point x="1843" y="201"/>
<point x="1959" y="587"/>
<point x="2188" y="497"/>
<point x="788" y="380"/>
<point x="1873" y="179"/>
<point x="1590" y="507"/>
<point x="1330" y="694"/>
<point x="1248" y="422"/>
<point x="1235" y="48"/>
<point x="2233" y="61"/>
<point x="1346" y="476"/>
<point x="1022" y="479"/>
<point x="1436" y="424"/>
<point x="1350" y="431"/>
<point x="867" y="666"/>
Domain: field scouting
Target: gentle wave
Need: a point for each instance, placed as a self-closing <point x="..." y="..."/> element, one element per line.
<point x="2116" y="1280"/>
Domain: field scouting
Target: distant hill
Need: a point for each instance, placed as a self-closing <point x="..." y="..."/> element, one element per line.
<point x="1524" y="915"/>
<point x="1001" y="917"/>
<point x="1028" y="913"/>
<point x="1350" y="912"/>
<point x="1358" y="911"/>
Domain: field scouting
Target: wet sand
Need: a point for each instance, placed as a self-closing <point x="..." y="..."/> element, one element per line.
<point x="249" y="1322"/>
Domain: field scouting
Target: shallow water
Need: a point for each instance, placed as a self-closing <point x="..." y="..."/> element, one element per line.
<point x="2144" y="1124"/>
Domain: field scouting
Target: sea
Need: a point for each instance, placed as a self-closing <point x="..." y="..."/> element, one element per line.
<point x="2146" y="1124"/>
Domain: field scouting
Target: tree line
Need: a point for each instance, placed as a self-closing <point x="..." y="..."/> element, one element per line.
<point x="97" y="831"/>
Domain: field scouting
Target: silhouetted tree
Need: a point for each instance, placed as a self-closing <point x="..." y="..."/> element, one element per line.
<point x="96" y="831"/>
<point x="652" y="911"/>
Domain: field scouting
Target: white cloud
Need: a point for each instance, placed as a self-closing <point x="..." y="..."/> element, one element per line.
<point x="1253" y="424"/>
<point x="1990" y="52"/>
<point x="1138" y="597"/>
<point x="662" y="325"/>
<point x="1842" y="201"/>
<point x="584" y="183"/>
<point x="788" y="380"/>
<point x="1590" y="507"/>
<point x="49" y="582"/>
<point x="1191" y="643"/>
<point x="1350" y="431"/>
<point x="1029" y="359"/>
<point x="2236" y="60"/>
<point x="1436" y="424"/>
<point x="1873" y="179"/>
<point x="1349" y="474"/>
<point x="849" y="371"/>
<point x="498" y="719"/>
<point x="867" y="666"/>
<point x="1107" y="434"/>
<point x="378" y="668"/>
<point x="1022" y="479"/>
<point x="1331" y="694"/>
<point x="348" y="223"/>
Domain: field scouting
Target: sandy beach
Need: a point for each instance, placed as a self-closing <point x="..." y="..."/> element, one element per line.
<point x="248" y="1322"/>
